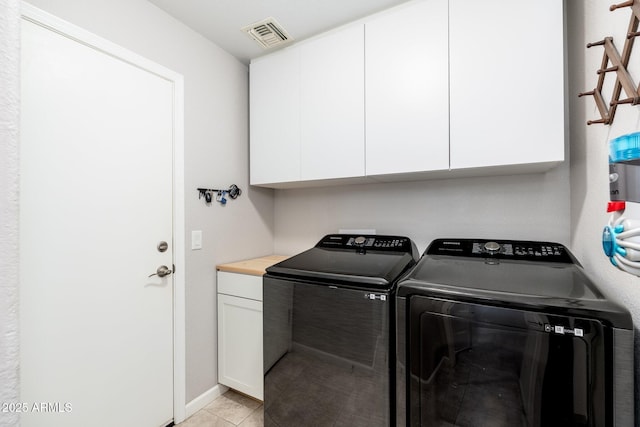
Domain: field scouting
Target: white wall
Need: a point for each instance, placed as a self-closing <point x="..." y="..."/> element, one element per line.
<point x="534" y="207"/>
<point x="216" y="154"/>
<point x="590" y="21"/>
<point x="9" y="124"/>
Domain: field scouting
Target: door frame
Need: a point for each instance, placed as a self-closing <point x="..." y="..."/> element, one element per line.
<point x="53" y="23"/>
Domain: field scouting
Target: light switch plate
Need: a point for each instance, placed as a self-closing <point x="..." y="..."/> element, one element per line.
<point x="196" y="239"/>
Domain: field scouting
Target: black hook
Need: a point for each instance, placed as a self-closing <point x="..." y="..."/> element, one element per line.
<point x="234" y="191"/>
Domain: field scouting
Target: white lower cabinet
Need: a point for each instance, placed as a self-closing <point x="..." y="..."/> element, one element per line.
<point x="240" y="364"/>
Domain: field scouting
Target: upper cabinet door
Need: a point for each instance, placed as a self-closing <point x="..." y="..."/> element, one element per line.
<point x="332" y="105"/>
<point x="275" y="118"/>
<point x="506" y="78"/>
<point x="407" y="89"/>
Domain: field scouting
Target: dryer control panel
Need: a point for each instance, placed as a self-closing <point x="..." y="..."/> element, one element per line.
<point x="501" y="249"/>
<point x="368" y="242"/>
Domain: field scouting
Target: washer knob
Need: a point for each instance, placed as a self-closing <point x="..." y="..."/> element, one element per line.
<point x="359" y="241"/>
<point x="492" y="247"/>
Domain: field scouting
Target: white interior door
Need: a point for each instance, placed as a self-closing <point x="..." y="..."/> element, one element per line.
<point x="95" y="201"/>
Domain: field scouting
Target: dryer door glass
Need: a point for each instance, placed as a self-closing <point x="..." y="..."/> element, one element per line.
<point x="476" y="365"/>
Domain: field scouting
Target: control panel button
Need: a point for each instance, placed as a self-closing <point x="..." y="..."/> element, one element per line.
<point x="492" y="247"/>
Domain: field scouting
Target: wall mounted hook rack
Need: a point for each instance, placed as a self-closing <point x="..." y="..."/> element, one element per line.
<point x="233" y="192"/>
<point x="619" y="65"/>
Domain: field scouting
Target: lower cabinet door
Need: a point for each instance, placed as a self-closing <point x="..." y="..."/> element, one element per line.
<point x="240" y="344"/>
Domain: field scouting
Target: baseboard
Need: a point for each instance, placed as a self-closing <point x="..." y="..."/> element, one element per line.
<point x="205" y="398"/>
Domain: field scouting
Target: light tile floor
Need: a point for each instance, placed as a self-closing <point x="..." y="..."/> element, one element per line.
<point x="229" y="410"/>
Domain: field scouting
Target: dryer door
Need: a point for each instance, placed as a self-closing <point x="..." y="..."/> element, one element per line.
<point x="477" y="365"/>
<point x="326" y="354"/>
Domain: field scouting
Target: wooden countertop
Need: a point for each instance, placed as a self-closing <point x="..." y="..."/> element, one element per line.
<point x="254" y="267"/>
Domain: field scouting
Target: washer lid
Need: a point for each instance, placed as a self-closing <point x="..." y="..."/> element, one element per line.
<point x="358" y="261"/>
<point x="534" y="279"/>
<point x="511" y="280"/>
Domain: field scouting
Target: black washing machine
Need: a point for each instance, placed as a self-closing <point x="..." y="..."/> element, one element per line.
<point x="510" y="333"/>
<point x="329" y="332"/>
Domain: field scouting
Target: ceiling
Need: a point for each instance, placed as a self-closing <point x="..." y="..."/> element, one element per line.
<point x="221" y="20"/>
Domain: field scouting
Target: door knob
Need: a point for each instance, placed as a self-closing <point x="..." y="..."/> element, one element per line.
<point x="162" y="271"/>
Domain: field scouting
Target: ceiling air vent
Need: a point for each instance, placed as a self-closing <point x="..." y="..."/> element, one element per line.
<point x="268" y="33"/>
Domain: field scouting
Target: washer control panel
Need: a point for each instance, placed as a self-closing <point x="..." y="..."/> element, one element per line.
<point x="502" y="249"/>
<point x="382" y="243"/>
<point x="378" y="242"/>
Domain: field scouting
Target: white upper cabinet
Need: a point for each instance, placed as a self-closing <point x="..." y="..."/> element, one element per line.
<point x="506" y="78"/>
<point x="275" y="118"/>
<point x="307" y="111"/>
<point x="332" y="105"/>
<point x="443" y="87"/>
<point x="407" y="91"/>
